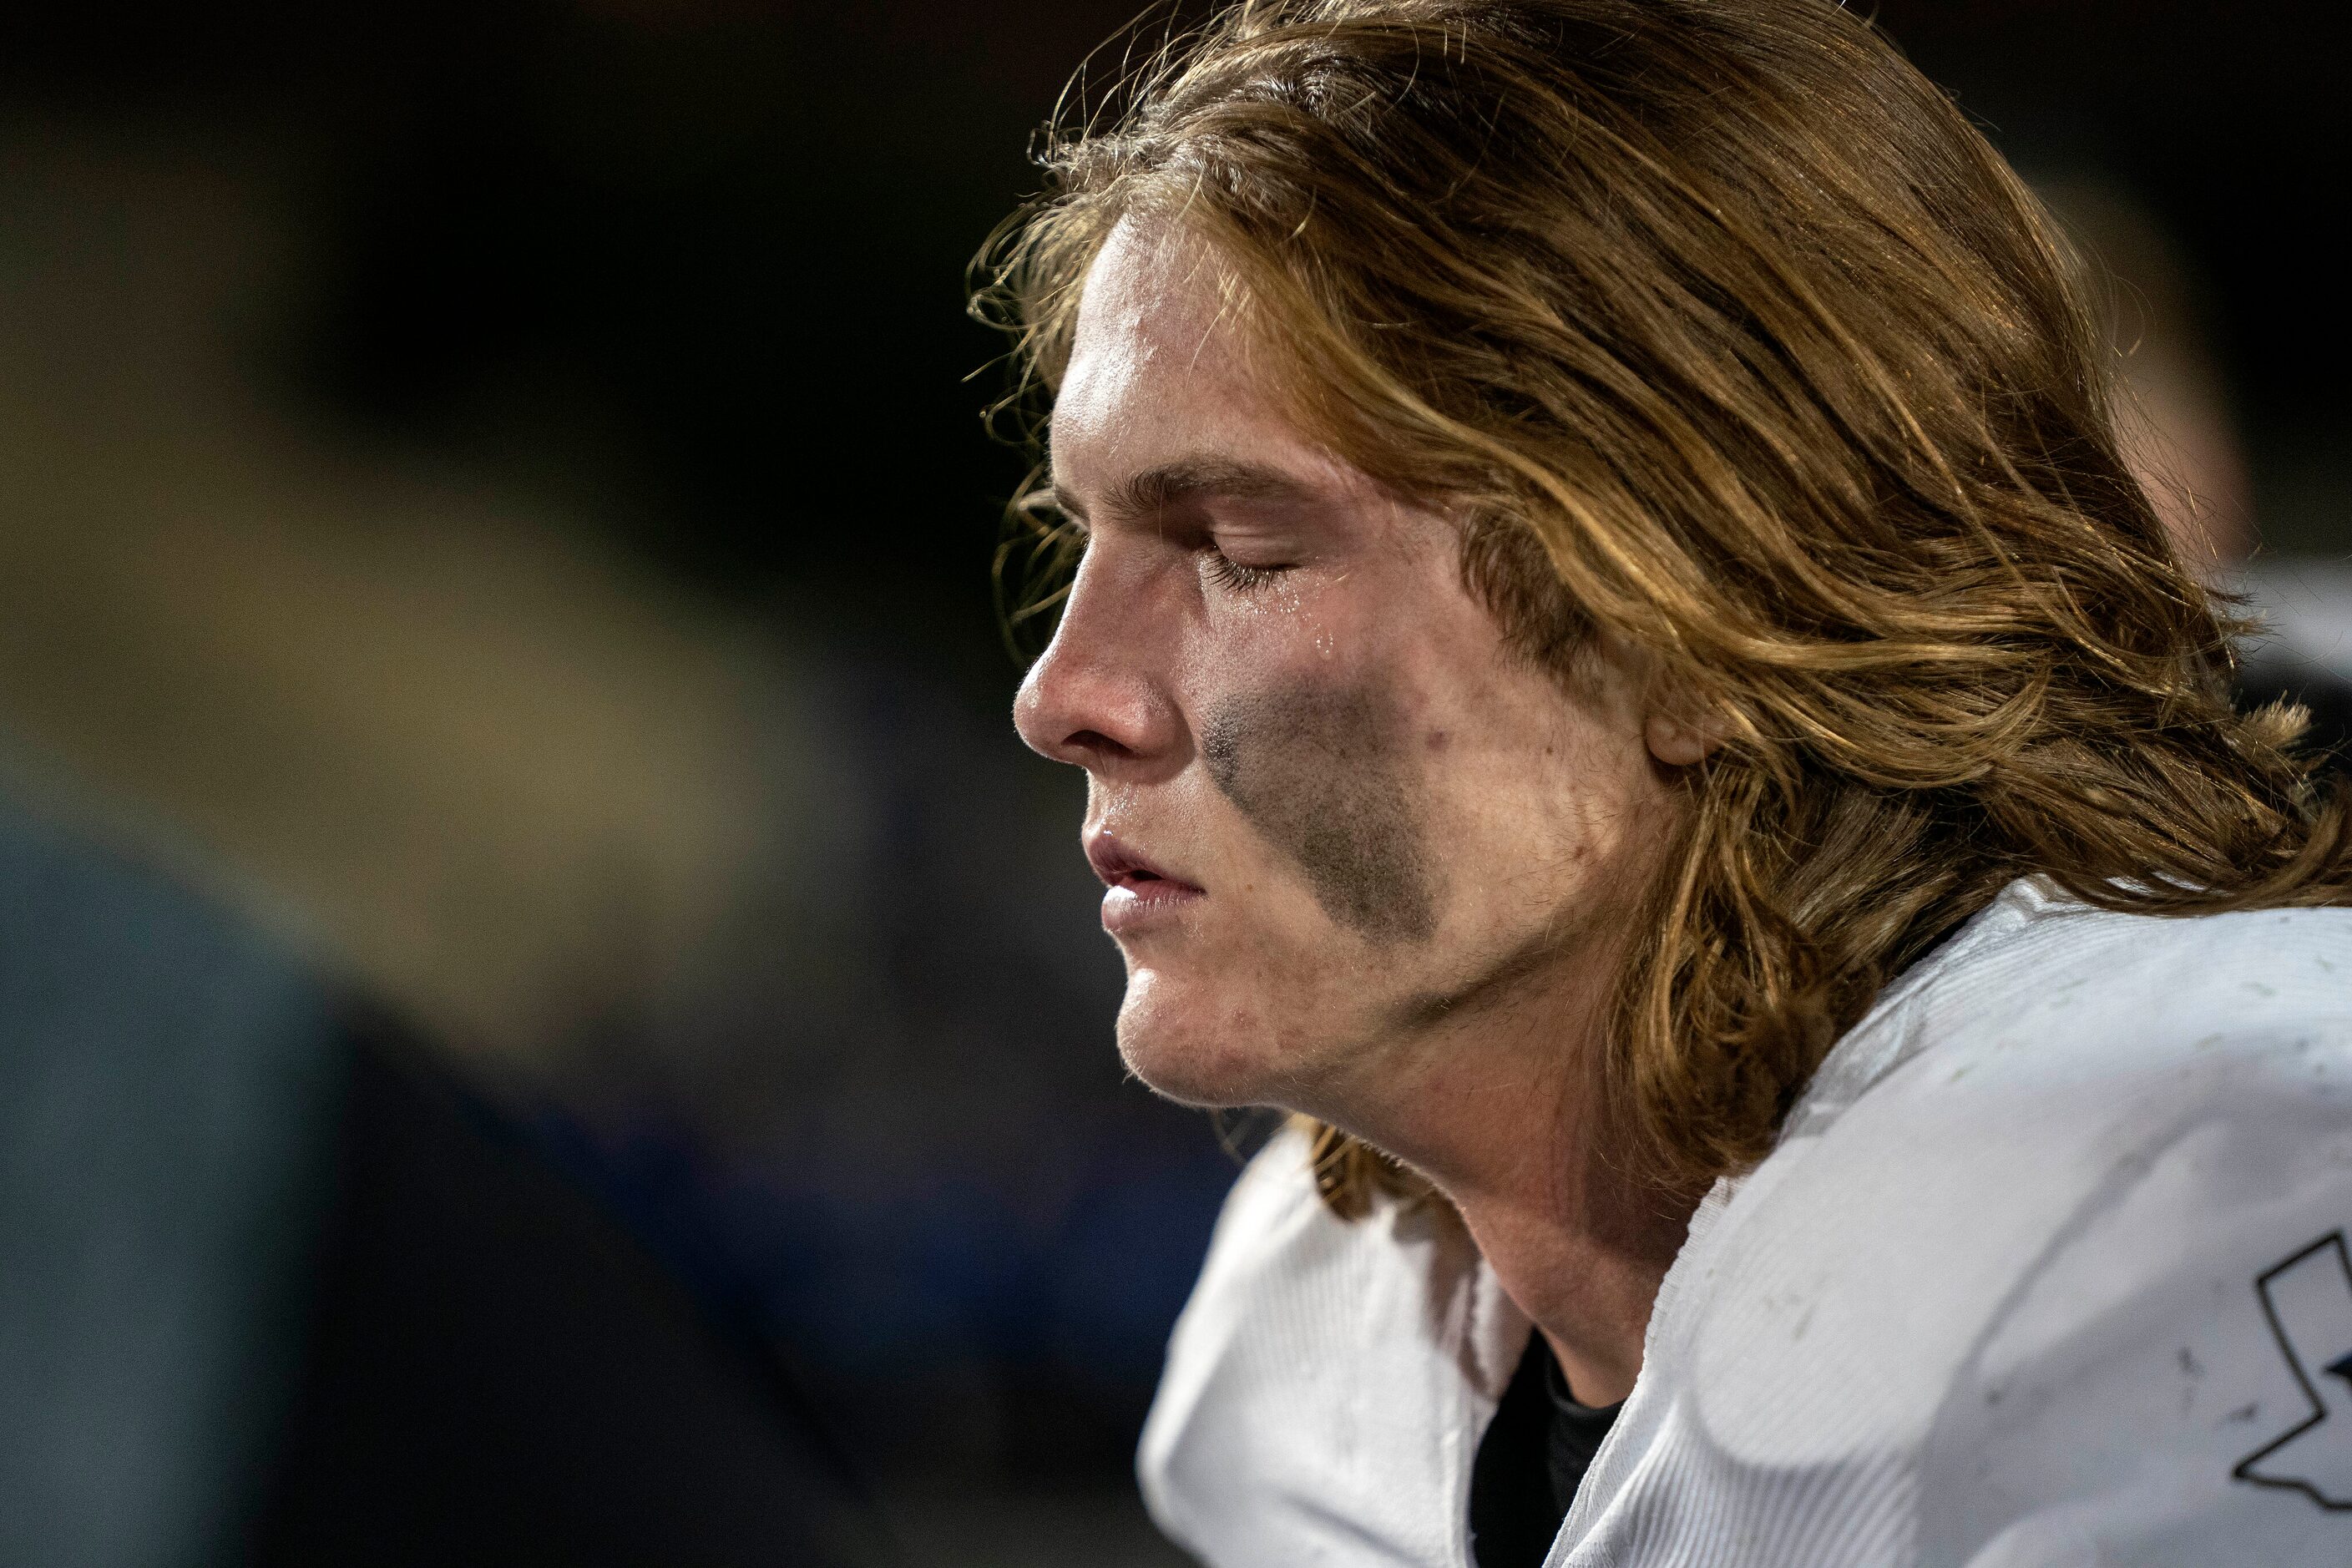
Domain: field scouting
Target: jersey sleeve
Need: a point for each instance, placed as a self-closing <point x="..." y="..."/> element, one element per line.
<point x="2169" y="1378"/>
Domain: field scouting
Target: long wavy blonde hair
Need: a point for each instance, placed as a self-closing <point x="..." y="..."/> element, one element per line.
<point x="1724" y="332"/>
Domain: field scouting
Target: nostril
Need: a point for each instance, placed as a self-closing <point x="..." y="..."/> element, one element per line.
<point x="1095" y="741"/>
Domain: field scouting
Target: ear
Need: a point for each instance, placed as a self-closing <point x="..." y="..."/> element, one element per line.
<point x="1679" y="743"/>
<point x="1679" y="727"/>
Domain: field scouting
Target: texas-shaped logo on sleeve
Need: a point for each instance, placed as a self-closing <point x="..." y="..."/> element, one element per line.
<point x="2308" y="1300"/>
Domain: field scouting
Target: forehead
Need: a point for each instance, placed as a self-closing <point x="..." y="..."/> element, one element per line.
<point x="1160" y="366"/>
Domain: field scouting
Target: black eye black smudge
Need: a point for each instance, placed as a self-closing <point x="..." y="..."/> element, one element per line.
<point x="1324" y="773"/>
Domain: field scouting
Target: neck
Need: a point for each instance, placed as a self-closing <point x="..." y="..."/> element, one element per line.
<point x="1518" y="1145"/>
<point x="1580" y="1249"/>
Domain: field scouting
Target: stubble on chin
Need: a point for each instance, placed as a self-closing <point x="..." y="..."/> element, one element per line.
<point x="1195" y="1044"/>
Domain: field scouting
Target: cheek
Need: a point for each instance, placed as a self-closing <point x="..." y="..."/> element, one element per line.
<point x="1560" y="821"/>
<point x="1326" y="774"/>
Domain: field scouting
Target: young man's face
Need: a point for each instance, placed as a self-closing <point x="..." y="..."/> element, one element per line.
<point x="1335" y="812"/>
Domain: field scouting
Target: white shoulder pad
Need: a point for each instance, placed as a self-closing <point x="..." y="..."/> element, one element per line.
<point x="2064" y="1282"/>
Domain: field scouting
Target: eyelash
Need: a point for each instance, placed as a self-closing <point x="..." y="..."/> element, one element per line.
<point x="1226" y="573"/>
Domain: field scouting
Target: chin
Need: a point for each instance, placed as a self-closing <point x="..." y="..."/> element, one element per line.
<point x="1196" y="1049"/>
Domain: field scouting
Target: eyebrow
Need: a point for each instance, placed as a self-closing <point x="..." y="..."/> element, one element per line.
<point x="1169" y="485"/>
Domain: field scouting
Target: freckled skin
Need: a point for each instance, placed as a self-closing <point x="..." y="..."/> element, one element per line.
<point x="1323" y="772"/>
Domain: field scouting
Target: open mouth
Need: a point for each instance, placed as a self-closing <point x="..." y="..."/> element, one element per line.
<point x="1127" y="872"/>
<point x="1135" y="879"/>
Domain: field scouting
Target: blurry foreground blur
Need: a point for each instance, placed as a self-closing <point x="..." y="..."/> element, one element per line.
<point x="779" y="945"/>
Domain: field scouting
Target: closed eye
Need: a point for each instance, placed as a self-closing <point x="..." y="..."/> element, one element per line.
<point x="1227" y="573"/>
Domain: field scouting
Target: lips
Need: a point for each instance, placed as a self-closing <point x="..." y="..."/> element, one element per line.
<point x="1139" y="895"/>
<point x="1120" y="866"/>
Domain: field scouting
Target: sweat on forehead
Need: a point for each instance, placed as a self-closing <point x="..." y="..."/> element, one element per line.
<point x="1149" y="263"/>
<point x="1159" y="305"/>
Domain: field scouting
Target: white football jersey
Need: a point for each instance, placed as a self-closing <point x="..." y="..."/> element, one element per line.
<point x="2049" y="1269"/>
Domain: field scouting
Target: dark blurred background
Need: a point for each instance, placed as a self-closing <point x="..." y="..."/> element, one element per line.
<point x="494" y="495"/>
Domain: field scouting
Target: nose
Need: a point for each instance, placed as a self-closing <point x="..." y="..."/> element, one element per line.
<point x="1099" y="698"/>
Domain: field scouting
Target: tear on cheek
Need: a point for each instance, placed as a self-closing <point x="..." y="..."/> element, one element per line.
<point x="1323" y="773"/>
